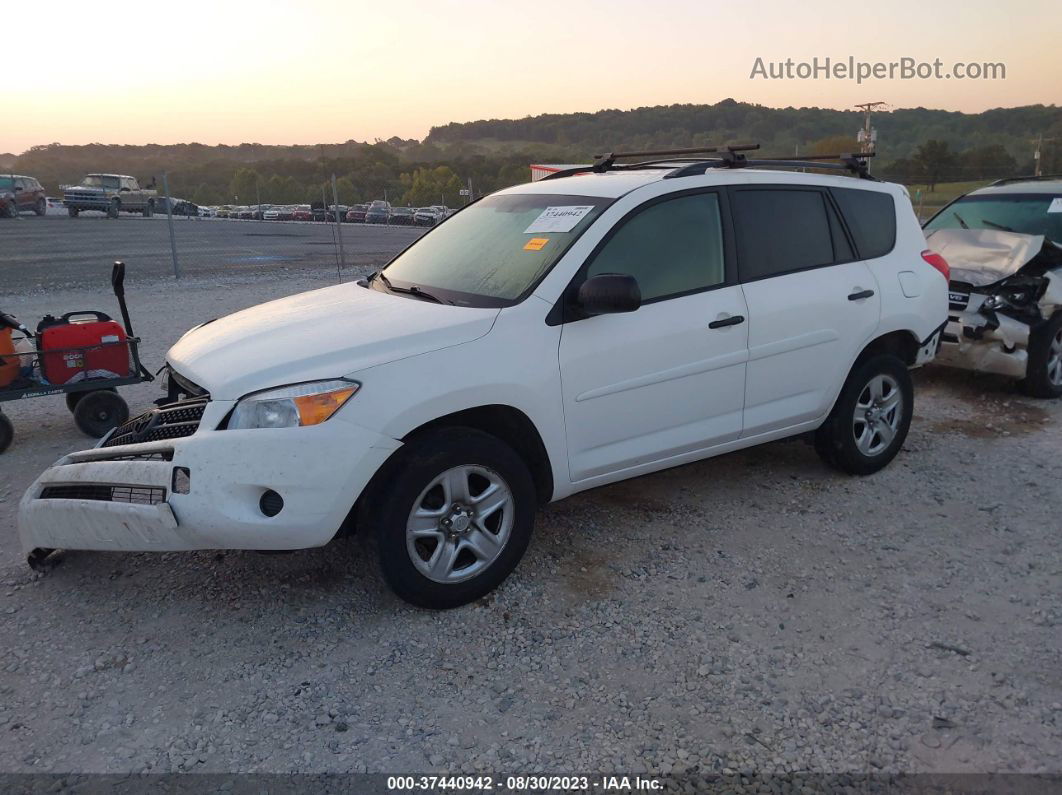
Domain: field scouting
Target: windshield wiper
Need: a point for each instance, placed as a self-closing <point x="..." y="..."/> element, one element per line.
<point x="958" y="218"/>
<point x="411" y="290"/>
<point x="994" y="225"/>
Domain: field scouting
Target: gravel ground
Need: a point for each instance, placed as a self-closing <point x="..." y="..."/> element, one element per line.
<point x="755" y="612"/>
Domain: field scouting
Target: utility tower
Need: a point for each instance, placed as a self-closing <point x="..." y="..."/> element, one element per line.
<point x="868" y="136"/>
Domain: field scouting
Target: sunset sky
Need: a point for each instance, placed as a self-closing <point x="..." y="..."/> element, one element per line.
<point x="308" y="72"/>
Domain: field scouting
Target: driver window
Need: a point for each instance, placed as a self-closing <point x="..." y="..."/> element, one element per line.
<point x="671" y="247"/>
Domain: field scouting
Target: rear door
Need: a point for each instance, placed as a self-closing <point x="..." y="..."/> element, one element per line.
<point x="669" y="378"/>
<point x="812" y="305"/>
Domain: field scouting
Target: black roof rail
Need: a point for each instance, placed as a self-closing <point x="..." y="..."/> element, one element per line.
<point x="1030" y="178"/>
<point x="661" y="157"/>
<point x="854" y="163"/>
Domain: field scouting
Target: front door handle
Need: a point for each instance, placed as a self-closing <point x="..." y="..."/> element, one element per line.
<point x="861" y="295"/>
<point x="733" y="320"/>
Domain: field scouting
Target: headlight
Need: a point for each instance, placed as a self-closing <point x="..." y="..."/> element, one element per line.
<point x="292" y="406"/>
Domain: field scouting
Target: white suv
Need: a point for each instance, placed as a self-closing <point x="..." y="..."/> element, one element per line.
<point x="547" y="339"/>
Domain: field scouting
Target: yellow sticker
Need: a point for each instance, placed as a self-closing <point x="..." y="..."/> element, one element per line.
<point x="536" y="244"/>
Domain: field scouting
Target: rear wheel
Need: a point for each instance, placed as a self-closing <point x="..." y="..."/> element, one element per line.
<point x="113" y="208"/>
<point x="7" y="432"/>
<point x="1043" y="375"/>
<point x="870" y="419"/>
<point x="98" y="412"/>
<point x="41" y="207"/>
<point x="72" y="211"/>
<point x="452" y="518"/>
<point x="149" y="209"/>
<point x="11" y="211"/>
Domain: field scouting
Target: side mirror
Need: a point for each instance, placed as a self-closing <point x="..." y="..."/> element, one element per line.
<point x="609" y="293"/>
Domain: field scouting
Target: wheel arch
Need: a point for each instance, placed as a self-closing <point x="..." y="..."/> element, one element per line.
<point x="507" y="423"/>
<point x="903" y="344"/>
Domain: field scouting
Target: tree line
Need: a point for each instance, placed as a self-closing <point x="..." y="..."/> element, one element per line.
<point x="914" y="146"/>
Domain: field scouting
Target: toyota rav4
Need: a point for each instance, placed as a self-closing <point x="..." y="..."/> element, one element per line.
<point x="552" y="337"/>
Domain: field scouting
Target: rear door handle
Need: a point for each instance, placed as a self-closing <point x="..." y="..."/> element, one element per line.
<point x="861" y="295"/>
<point x="733" y="320"/>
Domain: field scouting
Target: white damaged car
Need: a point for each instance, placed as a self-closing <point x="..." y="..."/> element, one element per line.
<point x="1004" y="246"/>
<point x="547" y="339"/>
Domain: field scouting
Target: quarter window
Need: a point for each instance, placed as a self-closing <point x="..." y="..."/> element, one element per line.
<point x="671" y="247"/>
<point x="871" y="217"/>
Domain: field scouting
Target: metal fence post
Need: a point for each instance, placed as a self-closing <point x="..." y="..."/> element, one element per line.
<point x="169" y="220"/>
<point x="339" y="229"/>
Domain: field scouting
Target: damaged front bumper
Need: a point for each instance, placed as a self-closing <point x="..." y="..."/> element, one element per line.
<point x="204" y="491"/>
<point x="977" y="338"/>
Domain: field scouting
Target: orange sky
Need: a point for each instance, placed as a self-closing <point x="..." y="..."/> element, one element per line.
<point x="309" y="72"/>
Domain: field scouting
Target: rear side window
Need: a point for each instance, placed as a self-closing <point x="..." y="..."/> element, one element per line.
<point x="871" y="218"/>
<point x="779" y="231"/>
<point x="672" y="247"/>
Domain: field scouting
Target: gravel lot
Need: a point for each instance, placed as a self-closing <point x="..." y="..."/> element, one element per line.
<point x="754" y="612"/>
<point x="58" y="251"/>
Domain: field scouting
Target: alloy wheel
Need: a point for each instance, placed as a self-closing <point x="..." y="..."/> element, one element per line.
<point x="460" y="524"/>
<point x="877" y="416"/>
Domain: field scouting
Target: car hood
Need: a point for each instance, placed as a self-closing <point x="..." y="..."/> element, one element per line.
<point x="980" y="257"/>
<point x="322" y="334"/>
<point x="84" y="189"/>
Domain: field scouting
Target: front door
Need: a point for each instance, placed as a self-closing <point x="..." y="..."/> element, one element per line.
<point x="669" y="378"/>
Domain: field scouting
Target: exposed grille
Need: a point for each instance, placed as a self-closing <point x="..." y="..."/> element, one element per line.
<point x="174" y="421"/>
<point x="158" y="455"/>
<point x="100" y="492"/>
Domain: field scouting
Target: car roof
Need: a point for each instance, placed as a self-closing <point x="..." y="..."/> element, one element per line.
<point x="613" y="184"/>
<point x="120" y="176"/>
<point x="1031" y="185"/>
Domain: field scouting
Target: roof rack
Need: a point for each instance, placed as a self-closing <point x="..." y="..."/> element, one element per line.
<point x="661" y="157"/>
<point x="1031" y="178"/>
<point x="854" y="163"/>
<point x="729" y="156"/>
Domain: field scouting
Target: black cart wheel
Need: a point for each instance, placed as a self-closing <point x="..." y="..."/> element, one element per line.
<point x="7" y="432"/>
<point x="73" y="398"/>
<point x="98" y="412"/>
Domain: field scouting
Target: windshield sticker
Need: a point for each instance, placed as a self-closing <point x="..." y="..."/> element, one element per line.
<point x="558" y="219"/>
<point x="1056" y="205"/>
<point x="536" y="244"/>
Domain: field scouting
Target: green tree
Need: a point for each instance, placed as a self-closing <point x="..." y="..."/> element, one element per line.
<point x="245" y="184"/>
<point x="934" y="160"/>
<point x="432" y="185"/>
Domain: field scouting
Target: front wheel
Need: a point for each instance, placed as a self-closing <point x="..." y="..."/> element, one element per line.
<point x="870" y="419"/>
<point x="72" y="211"/>
<point x="452" y="518"/>
<point x="1043" y="374"/>
<point x="112" y="209"/>
<point x="11" y="211"/>
<point x="98" y="412"/>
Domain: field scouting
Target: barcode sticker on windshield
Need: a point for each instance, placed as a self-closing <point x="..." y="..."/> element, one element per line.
<point x="558" y="219"/>
<point x="1056" y="205"/>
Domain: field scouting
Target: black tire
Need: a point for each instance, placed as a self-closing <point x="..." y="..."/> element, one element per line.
<point x="41" y="207"/>
<point x="113" y="208"/>
<point x="397" y="488"/>
<point x="100" y="411"/>
<point x="73" y="398"/>
<point x="72" y="211"/>
<point x="11" y="211"/>
<point x="149" y="209"/>
<point x="1043" y="361"/>
<point x="7" y="432"/>
<point x="835" y="440"/>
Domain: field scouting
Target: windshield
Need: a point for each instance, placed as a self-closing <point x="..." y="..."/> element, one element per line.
<point x="496" y="249"/>
<point x="7" y="183"/>
<point x="99" y="181"/>
<point x="1026" y="213"/>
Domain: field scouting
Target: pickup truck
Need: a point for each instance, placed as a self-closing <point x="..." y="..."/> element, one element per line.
<point x="111" y="194"/>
